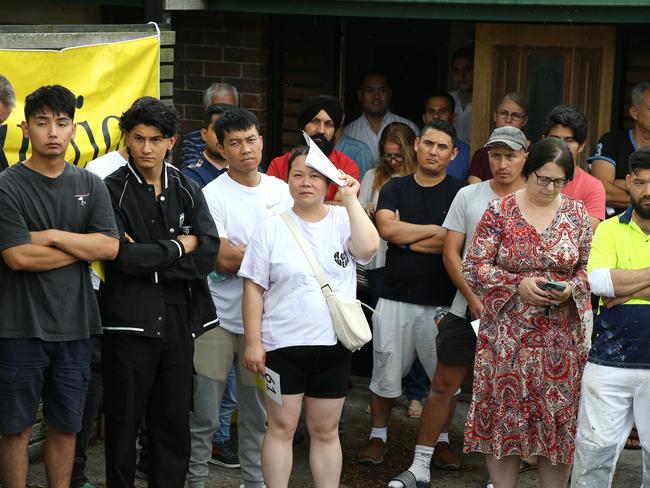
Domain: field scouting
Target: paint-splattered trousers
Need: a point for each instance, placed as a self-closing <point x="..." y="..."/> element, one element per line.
<point x="612" y="400"/>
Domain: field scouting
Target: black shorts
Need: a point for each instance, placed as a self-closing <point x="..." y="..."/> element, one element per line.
<point x="316" y="371"/>
<point x="56" y="371"/>
<point x="456" y="341"/>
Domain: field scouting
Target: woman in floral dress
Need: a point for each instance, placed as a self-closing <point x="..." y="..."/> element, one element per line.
<point x="531" y="347"/>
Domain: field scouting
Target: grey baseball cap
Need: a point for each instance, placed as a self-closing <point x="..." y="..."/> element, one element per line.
<point x="508" y="136"/>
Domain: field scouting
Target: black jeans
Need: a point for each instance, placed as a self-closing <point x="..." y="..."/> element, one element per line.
<point x="151" y="377"/>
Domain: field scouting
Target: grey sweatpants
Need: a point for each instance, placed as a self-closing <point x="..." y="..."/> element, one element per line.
<point x="215" y="352"/>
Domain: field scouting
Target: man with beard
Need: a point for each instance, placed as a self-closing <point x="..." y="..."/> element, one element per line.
<point x="374" y="95"/>
<point x="210" y="164"/>
<point x="320" y="117"/>
<point x="616" y="380"/>
<point x="410" y="213"/>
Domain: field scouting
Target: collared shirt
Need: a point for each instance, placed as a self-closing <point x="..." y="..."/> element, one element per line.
<point x="459" y="166"/>
<point x="360" y="129"/>
<point x="203" y="171"/>
<point x="623" y="332"/>
<point x="463" y="119"/>
<point x="358" y="151"/>
<point x="192" y="147"/>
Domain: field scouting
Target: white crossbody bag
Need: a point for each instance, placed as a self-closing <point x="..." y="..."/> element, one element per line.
<point x="349" y="321"/>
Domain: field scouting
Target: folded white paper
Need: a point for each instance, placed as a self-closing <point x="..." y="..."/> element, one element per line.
<point x="316" y="159"/>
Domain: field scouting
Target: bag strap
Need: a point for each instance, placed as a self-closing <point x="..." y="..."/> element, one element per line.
<point x="297" y="234"/>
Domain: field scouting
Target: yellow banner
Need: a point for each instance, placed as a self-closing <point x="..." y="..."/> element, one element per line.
<point x="105" y="79"/>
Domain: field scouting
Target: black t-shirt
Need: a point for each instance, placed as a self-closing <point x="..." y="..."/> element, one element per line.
<point x="55" y="305"/>
<point x="410" y="276"/>
<point x="616" y="147"/>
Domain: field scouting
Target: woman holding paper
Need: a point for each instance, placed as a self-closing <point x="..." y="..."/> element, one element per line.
<point x="287" y="323"/>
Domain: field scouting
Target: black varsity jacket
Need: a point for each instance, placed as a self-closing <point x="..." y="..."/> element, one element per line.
<point x="131" y="299"/>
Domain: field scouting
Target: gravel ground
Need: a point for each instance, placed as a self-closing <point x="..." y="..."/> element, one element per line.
<point x="401" y="439"/>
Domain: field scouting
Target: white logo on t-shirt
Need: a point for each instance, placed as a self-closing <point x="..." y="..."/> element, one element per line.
<point x="82" y="198"/>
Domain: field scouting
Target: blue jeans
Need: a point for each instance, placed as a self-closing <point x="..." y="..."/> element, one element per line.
<point x="417" y="382"/>
<point x="228" y="406"/>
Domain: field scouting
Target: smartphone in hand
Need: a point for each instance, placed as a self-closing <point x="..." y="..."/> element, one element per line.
<point x="551" y="286"/>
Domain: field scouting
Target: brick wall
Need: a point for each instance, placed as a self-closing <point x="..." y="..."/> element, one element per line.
<point x="225" y="47"/>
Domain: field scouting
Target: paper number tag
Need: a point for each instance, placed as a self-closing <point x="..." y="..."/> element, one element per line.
<point x="269" y="383"/>
<point x="475" y="325"/>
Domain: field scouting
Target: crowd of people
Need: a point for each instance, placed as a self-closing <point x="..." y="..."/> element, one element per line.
<point x="166" y="293"/>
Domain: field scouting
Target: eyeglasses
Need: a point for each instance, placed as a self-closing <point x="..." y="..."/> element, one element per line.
<point x="545" y="180"/>
<point x="515" y="116"/>
<point x="396" y="157"/>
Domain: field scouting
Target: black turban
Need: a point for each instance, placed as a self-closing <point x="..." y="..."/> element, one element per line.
<point x="312" y="105"/>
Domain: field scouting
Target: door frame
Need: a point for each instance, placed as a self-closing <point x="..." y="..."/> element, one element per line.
<point x="488" y="36"/>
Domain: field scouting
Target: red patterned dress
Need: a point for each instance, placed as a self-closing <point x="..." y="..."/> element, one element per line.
<point x="529" y="359"/>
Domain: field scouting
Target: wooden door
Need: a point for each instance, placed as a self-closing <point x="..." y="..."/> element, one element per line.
<point x="547" y="65"/>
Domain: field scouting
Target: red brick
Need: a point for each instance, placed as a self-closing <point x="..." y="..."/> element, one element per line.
<point x="245" y="85"/>
<point x="253" y="39"/>
<point x="189" y="97"/>
<point x="184" y="67"/>
<point x="252" y="71"/>
<point x="198" y="20"/>
<point x="233" y="70"/>
<point x="243" y="55"/>
<point x="189" y="126"/>
<point x="200" y="82"/>
<point x="190" y="36"/>
<point x="253" y="101"/>
<point x="194" y="112"/>
<point x="224" y="38"/>
<point x="202" y="53"/>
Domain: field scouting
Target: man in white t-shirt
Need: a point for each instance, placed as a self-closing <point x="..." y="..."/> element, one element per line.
<point x="108" y="163"/>
<point x="239" y="201"/>
<point x="456" y="341"/>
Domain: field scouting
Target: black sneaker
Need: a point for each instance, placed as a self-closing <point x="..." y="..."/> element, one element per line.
<point x="223" y="455"/>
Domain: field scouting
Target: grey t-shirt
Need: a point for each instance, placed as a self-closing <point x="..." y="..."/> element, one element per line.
<point x="55" y="305"/>
<point x="464" y="215"/>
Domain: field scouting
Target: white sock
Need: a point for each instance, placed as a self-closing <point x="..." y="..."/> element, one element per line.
<point x="421" y="466"/>
<point x="443" y="437"/>
<point x="379" y="433"/>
